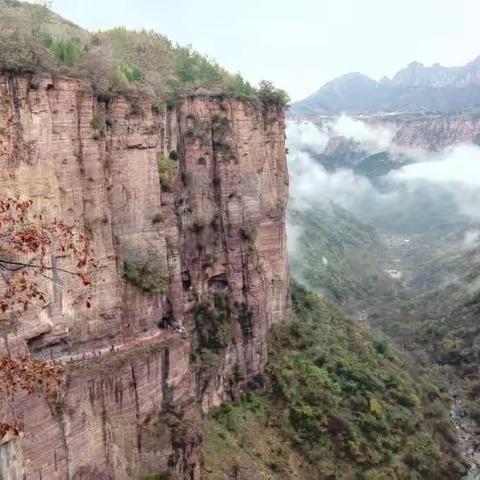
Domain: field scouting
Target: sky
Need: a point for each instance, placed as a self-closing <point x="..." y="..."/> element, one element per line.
<point x="300" y="44"/>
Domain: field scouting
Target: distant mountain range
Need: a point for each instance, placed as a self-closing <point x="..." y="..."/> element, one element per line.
<point x="414" y="89"/>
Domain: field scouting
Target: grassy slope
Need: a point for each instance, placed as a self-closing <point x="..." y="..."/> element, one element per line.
<point x="339" y="405"/>
<point x="241" y="439"/>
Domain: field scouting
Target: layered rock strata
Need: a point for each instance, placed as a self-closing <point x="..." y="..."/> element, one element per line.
<point x="202" y="188"/>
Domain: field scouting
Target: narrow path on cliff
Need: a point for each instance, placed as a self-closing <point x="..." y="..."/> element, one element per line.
<point x="167" y="337"/>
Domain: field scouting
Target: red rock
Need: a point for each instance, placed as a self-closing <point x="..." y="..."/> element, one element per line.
<point x="222" y="230"/>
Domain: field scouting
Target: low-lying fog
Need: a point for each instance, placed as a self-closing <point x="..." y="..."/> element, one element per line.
<point x="435" y="188"/>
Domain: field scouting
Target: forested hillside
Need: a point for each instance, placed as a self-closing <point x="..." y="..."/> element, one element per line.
<point x="336" y="402"/>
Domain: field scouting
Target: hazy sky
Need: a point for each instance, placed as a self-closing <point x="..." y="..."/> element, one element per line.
<point x="301" y="44"/>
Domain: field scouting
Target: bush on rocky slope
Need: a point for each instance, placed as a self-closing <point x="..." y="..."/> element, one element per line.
<point x="146" y="270"/>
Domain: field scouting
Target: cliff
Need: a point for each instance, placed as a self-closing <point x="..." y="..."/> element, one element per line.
<point x="435" y="132"/>
<point x="203" y="189"/>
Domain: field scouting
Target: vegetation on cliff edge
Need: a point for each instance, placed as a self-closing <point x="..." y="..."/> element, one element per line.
<point x="145" y="268"/>
<point x="34" y="39"/>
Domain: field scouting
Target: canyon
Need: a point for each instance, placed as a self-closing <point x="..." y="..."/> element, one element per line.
<point x="188" y="345"/>
<point x="140" y="368"/>
<point x="387" y="246"/>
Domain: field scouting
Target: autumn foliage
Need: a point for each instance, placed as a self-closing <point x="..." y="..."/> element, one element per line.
<point x="28" y="245"/>
<point x="31" y="376"/>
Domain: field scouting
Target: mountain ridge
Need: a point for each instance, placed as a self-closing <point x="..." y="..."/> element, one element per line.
<point x="413" y="89"/>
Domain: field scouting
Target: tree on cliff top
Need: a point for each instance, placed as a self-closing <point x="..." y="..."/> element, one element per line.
<point x="28" y="245"/>
<point x="270" y="95"/>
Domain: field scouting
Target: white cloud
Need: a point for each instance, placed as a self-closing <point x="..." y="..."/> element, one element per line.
<point x="471" y="239"/>
<point x="306" y="136"/>
<point x="456" y="170"/>
<point x="371" y="138"/>
<point x="311" y="183"/>
<point x="459" y="165"/>
<point x="438" y="185"/>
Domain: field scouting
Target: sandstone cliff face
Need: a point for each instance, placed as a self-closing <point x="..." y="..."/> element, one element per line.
<point x="436" y="132"/>
<point x="424" y="132"/>
<point x="218" y="227"/>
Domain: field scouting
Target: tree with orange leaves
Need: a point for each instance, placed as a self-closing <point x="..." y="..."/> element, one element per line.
<point x="28" y="242"/>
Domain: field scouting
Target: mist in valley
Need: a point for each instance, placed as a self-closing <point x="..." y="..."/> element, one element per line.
<point x="145" y="149"/>
<point x="418" y="223"/>
<point x="398" y="249"/>
<point x="433" y="189"/>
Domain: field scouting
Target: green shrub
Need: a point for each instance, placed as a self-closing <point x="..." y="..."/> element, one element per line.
<point x="133" y="74"/>
<point x="344" y="393"/>
<point x="146" y="270"/>
<point x="155" y="476"/>
<point x="245" y="318"/>
<point x="116" y="59"/>
<point x="207" y="358"/>
<point x="269" y="95"/>
<point x="221" y="128"/>
<point x="212" y="322"/>
<point x="221" y="124"/>
<point x="97" y="121"/>
<point x="421" y="452"/>
<point x="238" y="375"/>
<point x="332" y="403"/>
<point x="238" y="86"/>
<point x="167" y="170"/>
<point x="66" y="51"/>
<point x="21" y="53"/>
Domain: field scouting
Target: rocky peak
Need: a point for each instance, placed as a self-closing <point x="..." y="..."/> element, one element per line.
<point x="414" y="89"/>
<point x="438" y="76"/>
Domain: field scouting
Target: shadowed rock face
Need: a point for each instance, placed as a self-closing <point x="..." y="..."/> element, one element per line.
<point x="216" y="225"/>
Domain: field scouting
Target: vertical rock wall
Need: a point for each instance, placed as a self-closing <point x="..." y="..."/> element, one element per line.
<point x="216" y="225"/>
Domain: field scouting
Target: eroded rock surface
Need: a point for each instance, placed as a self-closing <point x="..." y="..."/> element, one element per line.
<point x="216" y="225"/>
<point x="434" y="133"/>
